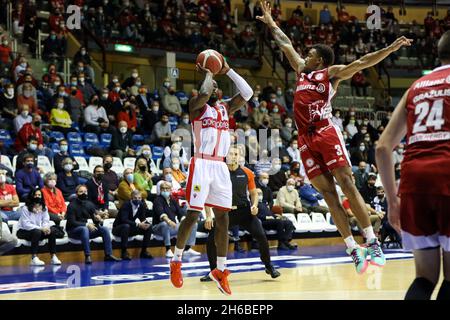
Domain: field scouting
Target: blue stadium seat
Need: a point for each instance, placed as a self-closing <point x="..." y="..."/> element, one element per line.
<point x="105" y="139"/>
<point x="138" y="140"/>
<point x="157" y="152"/>
<point x="5" y="137"/>
<point x="74" y="138"/>
<point x="77" y="150"/>
<point x="56" y="135"/>
<point x="90" y="139"/>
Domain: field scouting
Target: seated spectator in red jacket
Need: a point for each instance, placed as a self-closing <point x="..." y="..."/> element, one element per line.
<point x="54" y="199"/>
<point x="27" y="130"/>
<point x="128" y="115"/>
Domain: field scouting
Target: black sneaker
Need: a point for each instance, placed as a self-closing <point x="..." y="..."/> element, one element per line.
<point x="125" y="256"/>
<point x="283" y="246"/>
<point x="272" y="271"/>
<point x="205" y="278"/>
<point x="145" y="255"/>
<point x="111" y="258"/>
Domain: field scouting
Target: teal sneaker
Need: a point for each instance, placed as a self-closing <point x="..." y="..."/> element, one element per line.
<point x="376" y="254"/>
<point x="358" y="256"/>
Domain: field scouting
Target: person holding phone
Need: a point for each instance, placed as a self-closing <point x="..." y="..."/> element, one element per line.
<point x="131" y="221"/>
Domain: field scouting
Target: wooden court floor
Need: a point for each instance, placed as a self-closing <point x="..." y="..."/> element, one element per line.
<point x="323" y="282"/>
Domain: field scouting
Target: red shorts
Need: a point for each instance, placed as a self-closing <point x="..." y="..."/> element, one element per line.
<point x="323" y="151"/>
<point x="425" y="221"/>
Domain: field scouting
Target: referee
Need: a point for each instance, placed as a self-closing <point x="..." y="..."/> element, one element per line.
<point x="243" y="214"/>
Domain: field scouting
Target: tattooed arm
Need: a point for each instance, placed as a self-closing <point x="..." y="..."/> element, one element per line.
<point x="282" y="40"/>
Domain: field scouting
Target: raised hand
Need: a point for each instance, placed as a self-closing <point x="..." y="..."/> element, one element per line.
<point x="399" y="42"/>
<point x="267" y="12"/>
<point x="225" y="67"/>
<point x="200" y="69"/>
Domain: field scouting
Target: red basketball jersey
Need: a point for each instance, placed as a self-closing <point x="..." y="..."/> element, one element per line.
<point x="426" y="164"/>
<point x="312" y="98"/>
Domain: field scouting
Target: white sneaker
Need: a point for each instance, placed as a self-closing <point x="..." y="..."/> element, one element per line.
<point x="37" y="262"/>
<point x="169" y="254"/>
<point x="192" y="252"/>
<point x="55" y="260"/>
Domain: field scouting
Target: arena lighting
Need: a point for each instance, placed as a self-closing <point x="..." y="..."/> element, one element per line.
<point x="425" y="72"/>
<point x="123" y="48"/>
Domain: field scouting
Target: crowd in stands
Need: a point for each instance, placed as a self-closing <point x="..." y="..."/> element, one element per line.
<point x="67" y="123"/>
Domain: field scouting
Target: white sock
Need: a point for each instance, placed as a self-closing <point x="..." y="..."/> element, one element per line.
<point x="370" y="235"/>
<point x="221" y="263"/>
<point x="350" y="242"/>
<point x="177" y="254"/>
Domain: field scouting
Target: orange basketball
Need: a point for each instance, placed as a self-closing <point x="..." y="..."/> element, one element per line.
<point x="211" y="60"/>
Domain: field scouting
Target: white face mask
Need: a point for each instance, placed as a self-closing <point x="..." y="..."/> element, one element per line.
<point x="2" y="178"/>
<point x="123" y="129"/>
<point x="168" y="177"/>
<point x="264" y="182"/>
<point x="289" y="125"/>
<point x="295" y="146"/>
<point x="60" y="105"/>
<point x="146" y="152"/>
<point x="290" y="188"/>
<point x="175" y="166"/>
<point x="186" y="121"/>
<point x="10" y="91"/>
<point x="24" y="114"/>
<point x="275" y="110"/>
<point x="51" y="183"/>
<point x="362" y="148"/>
<point x="134" y="75"/>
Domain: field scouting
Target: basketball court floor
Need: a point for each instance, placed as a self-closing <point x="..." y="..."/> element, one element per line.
<point x="318" y="272"/>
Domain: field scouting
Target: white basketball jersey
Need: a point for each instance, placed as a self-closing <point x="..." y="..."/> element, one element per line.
<point x="211" y="131"/>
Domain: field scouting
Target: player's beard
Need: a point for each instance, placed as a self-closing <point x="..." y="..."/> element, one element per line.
<point x="212" y="100"/>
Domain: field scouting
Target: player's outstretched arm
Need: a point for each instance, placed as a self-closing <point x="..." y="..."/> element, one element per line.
<point x="344" y="72"/>
<point x="197" y="103"/>
<point x="245" y="91"/>
<point x="391" y="137"/>
<point x="282" y="40"/>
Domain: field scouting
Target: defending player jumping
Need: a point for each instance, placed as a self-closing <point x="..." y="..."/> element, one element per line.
<point x="321" y="145"/>
<point x="208" y="178"/>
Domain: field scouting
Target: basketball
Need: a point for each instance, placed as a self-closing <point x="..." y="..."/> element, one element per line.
<point x="211" y="60"/>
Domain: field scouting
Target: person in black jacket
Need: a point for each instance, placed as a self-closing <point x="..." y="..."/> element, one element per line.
<point x="125" y="225"/>
<point x="98" y="191"/>
<point x="78" y="227"/>
<point x="122" y="141"/>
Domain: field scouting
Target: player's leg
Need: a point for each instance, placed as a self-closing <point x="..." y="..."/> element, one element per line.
<point x="343" y="176"/>
<point x="444" y="239"/>
<point x="184" y="232"/>
<point x="428" y="267"/>
<point x="324" y="183"/>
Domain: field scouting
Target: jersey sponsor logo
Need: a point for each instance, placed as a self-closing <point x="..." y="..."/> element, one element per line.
<point x="309" y="162"/>
<point x="331" y="162"/>
<point x="435" y="136"/>
<point x="213" y="123"/>
<point x="321" y="88"/>
<point x="313" y="168"/>
<point x="431" y="94"/>
<point x="197" y="188"/>
<point x="303" y="148"/>
<point x="429" y="83"/>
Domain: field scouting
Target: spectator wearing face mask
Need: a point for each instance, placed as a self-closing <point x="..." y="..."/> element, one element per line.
<point x="142" y="177"/>
<point x="185" y="124"/>
<point x="54" y="199"/>
<point x="110" y="179"/>
<point x="358" y="137"/>
<point x="145" y="152"/>
<point x="129" y="115"/>
<point x="34" y="226"/>
<point x="83" y="56"/>
<point x="164" y="89"/>
<point x="256" y="118"/>
<point x="22" y="118"/>
<point x="95" y="117"/>
<point x="20" y="68"/>
<point x="78" y="227"/>
<point x="131" y="80"/>
<point x="263" y="184"/>
<point x="8" y="105"/>
<point x="310" y="197"/>
<point x="397" y="154"/>
<point x="177" y="173"/>
<point x="28" y="178"/>
<point x="368" y="190"/>
<point x="127" y="186"/>
<point x="60" y="118"/>
<point x="143" y="99"/>
<point x="8" y="199"/>
<point x="28" y="130"/>
<point x="61" y="155"/>
<point x="86" y="88"/>
<point x="98" y="191"/>
<point x="337" y="120"/>
<point x="67" y="180"/>
<point x="131" y="221"/>
<point x="26" y="98"/>
<point x="274" y="106"/>
<point x="294" y="152"/>
<point x="278" y="177"/>
<point x="151" y="117"/>
<point x="280" y="100"/>
<point x="351" y="128"/>
<point x="167" y="216"/>
<point x="360" y="153"/>
<point x="121" y="142"/>
<point x="286" y="131"/>
<point x="162" y="132"/>
<point x="171" y="104"/>
<point x="361" y="175"/>
<point x="289" y="199"/>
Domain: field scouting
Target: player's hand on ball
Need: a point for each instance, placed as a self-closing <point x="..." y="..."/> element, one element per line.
<point x="394" y="213"/>
<point x="267" y="12"/>
<point x="200" y="69"/>
<point x="225" y="67"/>
<point x="399" y="42"/>
<point x="254" y="210"/>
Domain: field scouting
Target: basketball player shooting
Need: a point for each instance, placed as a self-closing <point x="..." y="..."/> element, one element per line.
<point x="321" y="145"/>
<point x="209" y="180"/>
<point x="421" y="212"/>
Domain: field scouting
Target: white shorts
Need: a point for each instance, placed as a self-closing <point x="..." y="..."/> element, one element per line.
<point x="208" y="184"/>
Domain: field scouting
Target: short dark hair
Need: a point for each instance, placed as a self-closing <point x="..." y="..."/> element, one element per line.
<point x="326" y="53"/>
<point x="444" y="47"/>
<point x="28" y="156"/>
<point x="97" y="166"/>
